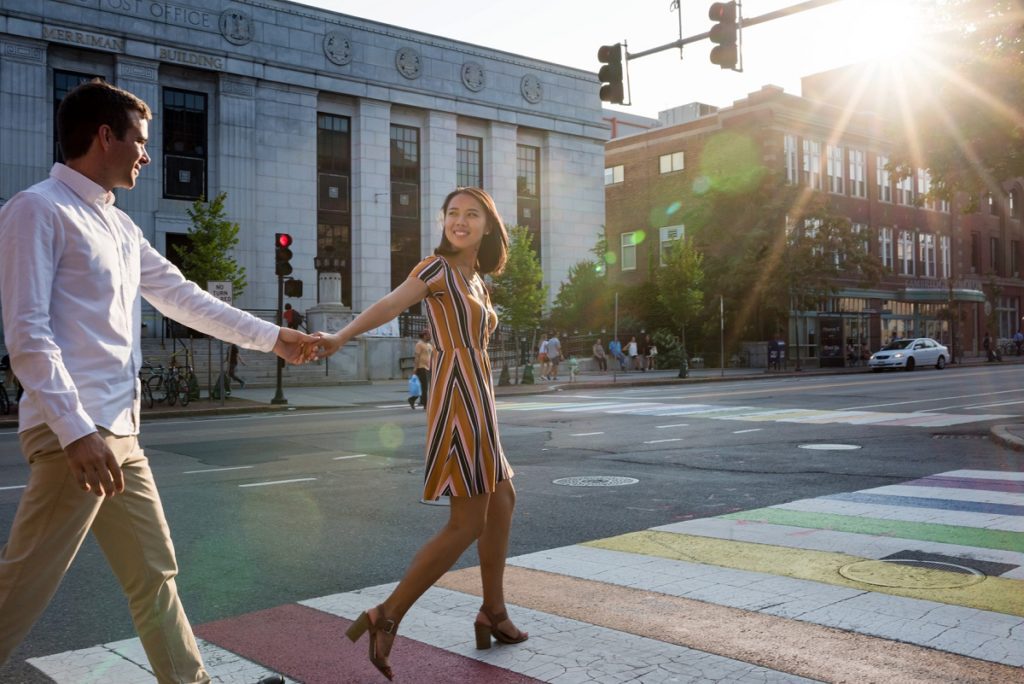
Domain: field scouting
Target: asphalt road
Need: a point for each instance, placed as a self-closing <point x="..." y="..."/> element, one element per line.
<point x="270" y="509"/>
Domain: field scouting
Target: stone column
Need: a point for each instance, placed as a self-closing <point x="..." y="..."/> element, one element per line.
<point x="26" y="142"/>
<point x="371" y="203"/>
<point x="500" y="170"/>
<point x="438" y="164"/>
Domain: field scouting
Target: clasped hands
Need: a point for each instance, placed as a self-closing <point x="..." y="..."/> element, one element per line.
<point x="297" y="347"/>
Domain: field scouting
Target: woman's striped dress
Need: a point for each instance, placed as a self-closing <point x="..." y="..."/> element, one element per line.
<point x="464" y="455"/>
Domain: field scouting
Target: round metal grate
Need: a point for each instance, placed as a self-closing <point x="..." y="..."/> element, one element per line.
<point x="911" y="573"/>
<point x="595" y="481"/>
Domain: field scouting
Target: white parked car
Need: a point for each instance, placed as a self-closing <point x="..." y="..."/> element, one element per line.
<point x="909" y="354"/>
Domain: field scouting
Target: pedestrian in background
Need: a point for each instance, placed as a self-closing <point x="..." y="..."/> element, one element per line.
<point x="632" y="353"/>
<point x="233" y="360"/>
<point x="615" y="347"/>
<point x="554" y="356"/>
<point x="292" y="318"/>
<point x="72" y="270"/>
<point x="422" y="358"/>
<point x="414" y="391"/>
<point x="542" y="359"/>
<point x="467" y="465"/>
<point x="599" y="356"/>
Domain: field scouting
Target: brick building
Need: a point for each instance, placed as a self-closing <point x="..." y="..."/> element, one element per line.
<point x="947" y="273"/>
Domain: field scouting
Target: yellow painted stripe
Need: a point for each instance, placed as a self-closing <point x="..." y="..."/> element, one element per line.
<point x="799" y="648"/>
<point x="993" y="593"/>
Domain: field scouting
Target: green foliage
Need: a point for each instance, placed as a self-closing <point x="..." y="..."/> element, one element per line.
<point x="680" y="282"/>
<point x="212" y="237"/>
<point x="969" y="108"/>
<point x="584" y="300"/>
<point x="518" y="291"/>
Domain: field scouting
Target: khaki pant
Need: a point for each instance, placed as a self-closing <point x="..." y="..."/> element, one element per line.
<point x="51" y="522"/>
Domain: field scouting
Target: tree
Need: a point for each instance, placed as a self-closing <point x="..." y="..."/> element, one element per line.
<point x="582" y="300"/>
<point x="970" y="110"/>
<point x="212" y="237"/>
<point x="518" y="291"/>
<point x="680" y="279"/>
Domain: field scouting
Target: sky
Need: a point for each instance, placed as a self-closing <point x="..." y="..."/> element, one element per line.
<point x="569" y="32"/>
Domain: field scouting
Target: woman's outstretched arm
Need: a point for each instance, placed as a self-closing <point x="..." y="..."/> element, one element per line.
<point x="412" y="291"/>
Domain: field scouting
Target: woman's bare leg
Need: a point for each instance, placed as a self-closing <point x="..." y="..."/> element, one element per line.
<point x="492" y="547"/>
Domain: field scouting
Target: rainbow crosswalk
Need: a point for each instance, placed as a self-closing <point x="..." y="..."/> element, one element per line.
<point x="923" y="419"/>
<point x="917" y="582"/>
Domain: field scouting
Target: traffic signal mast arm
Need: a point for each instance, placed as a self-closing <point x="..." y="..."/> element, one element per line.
<point x="785" y="11"/>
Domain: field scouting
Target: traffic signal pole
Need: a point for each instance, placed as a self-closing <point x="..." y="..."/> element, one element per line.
<point x="783" y="12"/>
<point x="279" y="394"/>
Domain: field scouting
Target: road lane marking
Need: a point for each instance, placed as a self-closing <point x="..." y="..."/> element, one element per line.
<point x="343" y="458"/>
<point x="662" y="427"/>
<point x="743" y="432"/>
<point x="585" y="434"/>
<point x="13" y="487"/>
<point x="659" y="441"/>
<point x="277" y="482"/>
<point x="216" y="470"/>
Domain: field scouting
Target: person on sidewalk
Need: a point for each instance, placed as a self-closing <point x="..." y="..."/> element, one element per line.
<point x="292" y="318"/>
<point x="554" y="356"/>
<point x="467" y="465"/>
<point x="599" y="356"/>
<point x="72" y="273"/>
<point x="415" y="390"/>
<point x="633" y="354"/>
<point x="422" y="359"/>
<point x="615" y="347"/>
<point x="233" y="360"/>
<point x="989" y="347"/>
<point x="542" y="359"/>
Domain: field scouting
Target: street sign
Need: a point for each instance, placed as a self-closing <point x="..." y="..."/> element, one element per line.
<point x="221" y="289"/>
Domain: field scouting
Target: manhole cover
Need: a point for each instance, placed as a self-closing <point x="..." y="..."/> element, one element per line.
<point x="596" y="481"/>
<point x="830" y="447"/>
<point x="910" y="573"/>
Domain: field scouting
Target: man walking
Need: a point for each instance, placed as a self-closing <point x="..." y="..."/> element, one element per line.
<point x="422" y="356"/>
<point x="72" y="271"/>
<point x="554" y="356"/>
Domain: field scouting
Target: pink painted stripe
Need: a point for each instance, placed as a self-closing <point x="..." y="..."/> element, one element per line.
<point x="310" y="646"/>
<point x="1012" y="486"/>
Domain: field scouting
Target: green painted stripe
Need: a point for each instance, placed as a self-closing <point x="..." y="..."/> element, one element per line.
<point x="992" y="593"/>
<point x="947" y="534"/>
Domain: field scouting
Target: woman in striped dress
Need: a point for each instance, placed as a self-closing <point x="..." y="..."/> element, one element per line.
<point x="464" y="457"/>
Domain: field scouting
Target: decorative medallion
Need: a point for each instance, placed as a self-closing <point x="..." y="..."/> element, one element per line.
<point x="531" y="89"/>
<point x="408" y="62"/>
<point x="236" y="26"/>
<point x="473" y="76"/>
<point x="338" y="47"/>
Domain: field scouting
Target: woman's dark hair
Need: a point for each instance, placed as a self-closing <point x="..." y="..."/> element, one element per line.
<point x="89" y="106"/>
<point x="494" y="248"/>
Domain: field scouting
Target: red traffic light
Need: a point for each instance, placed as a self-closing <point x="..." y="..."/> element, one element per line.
<point x="284" y="240"/>
<point x="722" y="12"/>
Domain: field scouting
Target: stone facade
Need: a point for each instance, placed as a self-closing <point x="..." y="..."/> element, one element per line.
<point x="267" y="70"/>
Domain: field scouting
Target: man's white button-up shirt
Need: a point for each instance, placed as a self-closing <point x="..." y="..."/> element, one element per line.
<point x="72" y="269"/>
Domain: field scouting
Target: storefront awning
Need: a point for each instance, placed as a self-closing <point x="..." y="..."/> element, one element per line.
<point x="940" y="295"/>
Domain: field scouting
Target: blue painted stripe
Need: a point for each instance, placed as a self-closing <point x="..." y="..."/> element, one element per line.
<point x="920" y="502"/>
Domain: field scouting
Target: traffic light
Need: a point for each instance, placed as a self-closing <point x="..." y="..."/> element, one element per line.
<point x="611" y="73"/>
<point x="292" y="288"/>
<point x="282" y="255"/>
<point x="724" y="34"/>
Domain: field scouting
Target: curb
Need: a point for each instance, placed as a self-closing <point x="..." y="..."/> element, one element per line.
<point x="1001" y="435"/>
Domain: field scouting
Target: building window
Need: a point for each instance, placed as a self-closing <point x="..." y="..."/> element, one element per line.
<point x="885" y="246"/>
<point x="185" y="146"/>
<point x="1015" y="258"/>
<point x="614" y="174"/>
<point x="528" y="191"/>
<point x="668" y="236"/>
<point x="1015" y="203"/>
<point x="405" y="202"/>
<point x="628" y="251"/>
<point x="835" y="167"/>
<point x="861" y="230"/>
<point x="944" y="255"/>
<point x="812" y="164"/>
<point x="469" y="162"/>
<point x="905" y="191"/>
<point x="905" y="253"/>
<point x="884" y="179"/>
<point x="1006" y="309"/>
<point x="993" y="255"/>
<point x="927" y="246"/>
<point x="993" y="206"/>
<point x="334" y="207"/>
<point x="63" y="83"/>
<point x="668" y="163"/>
<point x="858" y="173"/>
<point x="789" y="153"/>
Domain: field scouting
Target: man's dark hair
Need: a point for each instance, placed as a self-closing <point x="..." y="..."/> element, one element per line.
<point x="89" y="106"/>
